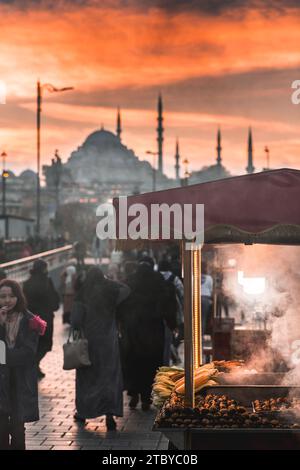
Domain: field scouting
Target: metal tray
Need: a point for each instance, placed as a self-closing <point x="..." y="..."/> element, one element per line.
<point x="233" y="439"/>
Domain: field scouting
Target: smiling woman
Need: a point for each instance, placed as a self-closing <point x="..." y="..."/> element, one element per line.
<point x="18" y="371"/>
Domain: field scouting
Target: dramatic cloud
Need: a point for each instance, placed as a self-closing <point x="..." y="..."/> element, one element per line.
<point x="210" y="7"/>
<point x="229" y="63"/>
<point x="116" y="48"/>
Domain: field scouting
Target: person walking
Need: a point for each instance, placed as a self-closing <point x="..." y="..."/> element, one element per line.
<point x="68" y="279"/>
<point x="42" y="299"/>
<point x="97" y="250"/>
<point x="99" y="387"/>
<point x="19" y="336"/>
<point x="206" y="297"/>
<point x="80" y="253"/>
<point x="142" y="318"/>
<point x="174" y="337"/>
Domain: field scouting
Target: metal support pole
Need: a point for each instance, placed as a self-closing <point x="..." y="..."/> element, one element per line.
<point x="3" y="155"/>
<point x="197" y="331"/>
<point x="38" y="189"/>
<point x="3" y="194"/>
<point x="189" y="397"/>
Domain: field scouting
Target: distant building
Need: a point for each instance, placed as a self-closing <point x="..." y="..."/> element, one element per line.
<point x="14" y="227"/>
<point x="103" y="163"/>
<point x="12" y="196"/>
<point x="20" y="204"/>
<point x="177" y="163"/>
<point x="28" y="178"/>
<point x="250" y="168"/>
<point x="160" y="133"/>
<point x="212" y="172"/>
<point x="103" y="167"/>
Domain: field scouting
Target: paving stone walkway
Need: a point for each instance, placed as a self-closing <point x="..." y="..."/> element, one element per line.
<point x="56" y="429"/>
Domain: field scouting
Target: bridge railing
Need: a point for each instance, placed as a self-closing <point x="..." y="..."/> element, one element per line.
<point x="19" y="270"/>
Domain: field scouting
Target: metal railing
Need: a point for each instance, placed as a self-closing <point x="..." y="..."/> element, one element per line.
<point x="19" y="269"/>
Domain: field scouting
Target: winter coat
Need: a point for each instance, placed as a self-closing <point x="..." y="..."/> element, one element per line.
<point x="18" y="377"/>
<point x="143" y="318"/>
<point x="68" y="291"/>
<point x="43" y="300"/>
<point x="99" y="388"/>
<point x="41" y="296"/>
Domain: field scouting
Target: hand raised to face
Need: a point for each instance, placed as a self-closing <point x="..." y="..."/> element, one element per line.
<point x="3" y="314"/>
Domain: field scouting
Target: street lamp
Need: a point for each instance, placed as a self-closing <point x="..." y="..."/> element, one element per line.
<point x="187" y="174"/>
<point x="5" y="175"/>
<point x="57" y="166"/>
<point x="149" y="152"/>
<point x="51" y="89"/>
<point x="267" y="152"/>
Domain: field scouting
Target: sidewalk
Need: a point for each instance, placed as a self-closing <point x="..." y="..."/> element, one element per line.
<point x="56" y="429"/>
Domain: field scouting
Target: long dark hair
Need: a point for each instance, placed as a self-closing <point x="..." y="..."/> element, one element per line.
<point x="17" y="291"/>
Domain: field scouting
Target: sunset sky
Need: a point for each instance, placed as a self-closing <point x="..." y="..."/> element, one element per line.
<point x="229" y="63"/>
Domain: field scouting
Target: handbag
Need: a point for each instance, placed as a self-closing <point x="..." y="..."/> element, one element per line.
<point x="76" y="353"/>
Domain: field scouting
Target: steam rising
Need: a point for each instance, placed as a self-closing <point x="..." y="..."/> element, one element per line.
<point x="265" y="295"/>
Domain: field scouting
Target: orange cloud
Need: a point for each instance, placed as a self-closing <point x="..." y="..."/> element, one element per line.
<point x="105" y="48"/>
<point x="94" y="47"/>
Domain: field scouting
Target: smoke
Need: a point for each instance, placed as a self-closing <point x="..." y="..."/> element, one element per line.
<point x="274" y="315"/>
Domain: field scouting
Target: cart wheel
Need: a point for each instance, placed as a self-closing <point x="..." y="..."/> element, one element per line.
<point x="171" y="446"/>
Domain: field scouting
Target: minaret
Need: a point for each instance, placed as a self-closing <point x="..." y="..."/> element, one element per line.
<point x="160" y="131"/>
<point x="177" y="158"/>
<point x="219" y="148"/>
<point x="250" y="168"/>
<point x="119" y="128"/>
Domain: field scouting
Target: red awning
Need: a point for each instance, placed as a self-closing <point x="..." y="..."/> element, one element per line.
<point x="258" y="208"/>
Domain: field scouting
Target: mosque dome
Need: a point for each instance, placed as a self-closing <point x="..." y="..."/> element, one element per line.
<point x="102" y="138"/>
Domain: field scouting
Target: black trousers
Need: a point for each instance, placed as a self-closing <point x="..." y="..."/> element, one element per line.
<point x="12" y="433"/>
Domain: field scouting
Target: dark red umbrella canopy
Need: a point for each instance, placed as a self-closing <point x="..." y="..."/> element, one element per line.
<point x="262" y="207"/>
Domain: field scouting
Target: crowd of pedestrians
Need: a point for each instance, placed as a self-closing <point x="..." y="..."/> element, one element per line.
<point x="131" y="325"/>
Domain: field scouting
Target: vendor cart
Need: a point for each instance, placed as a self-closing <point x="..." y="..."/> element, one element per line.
<point x="259" y="208"/>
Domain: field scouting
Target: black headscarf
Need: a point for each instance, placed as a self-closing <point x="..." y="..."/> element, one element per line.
<point x="146" y="282"/>
<point x="97" y="290"/>
<point x="39" y="267"/>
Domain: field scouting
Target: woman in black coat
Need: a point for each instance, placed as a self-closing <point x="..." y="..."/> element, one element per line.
<point x="142" y="320"/>
<point x="19" y="334"/>
<point x="42" y="300"/>
<point x="99" y="387"/>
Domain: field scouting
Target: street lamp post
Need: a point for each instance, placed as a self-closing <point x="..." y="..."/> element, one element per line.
<point x="51" y="89"/>
<point x="57" y="170"/>
<point x="187" y="174"/>
<point x="4" y="176"/>
<point x="57" y="166"/>
<point x="267" y="152"/>
<point x="149" y="152"/>
<point x="38" y="127"/>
